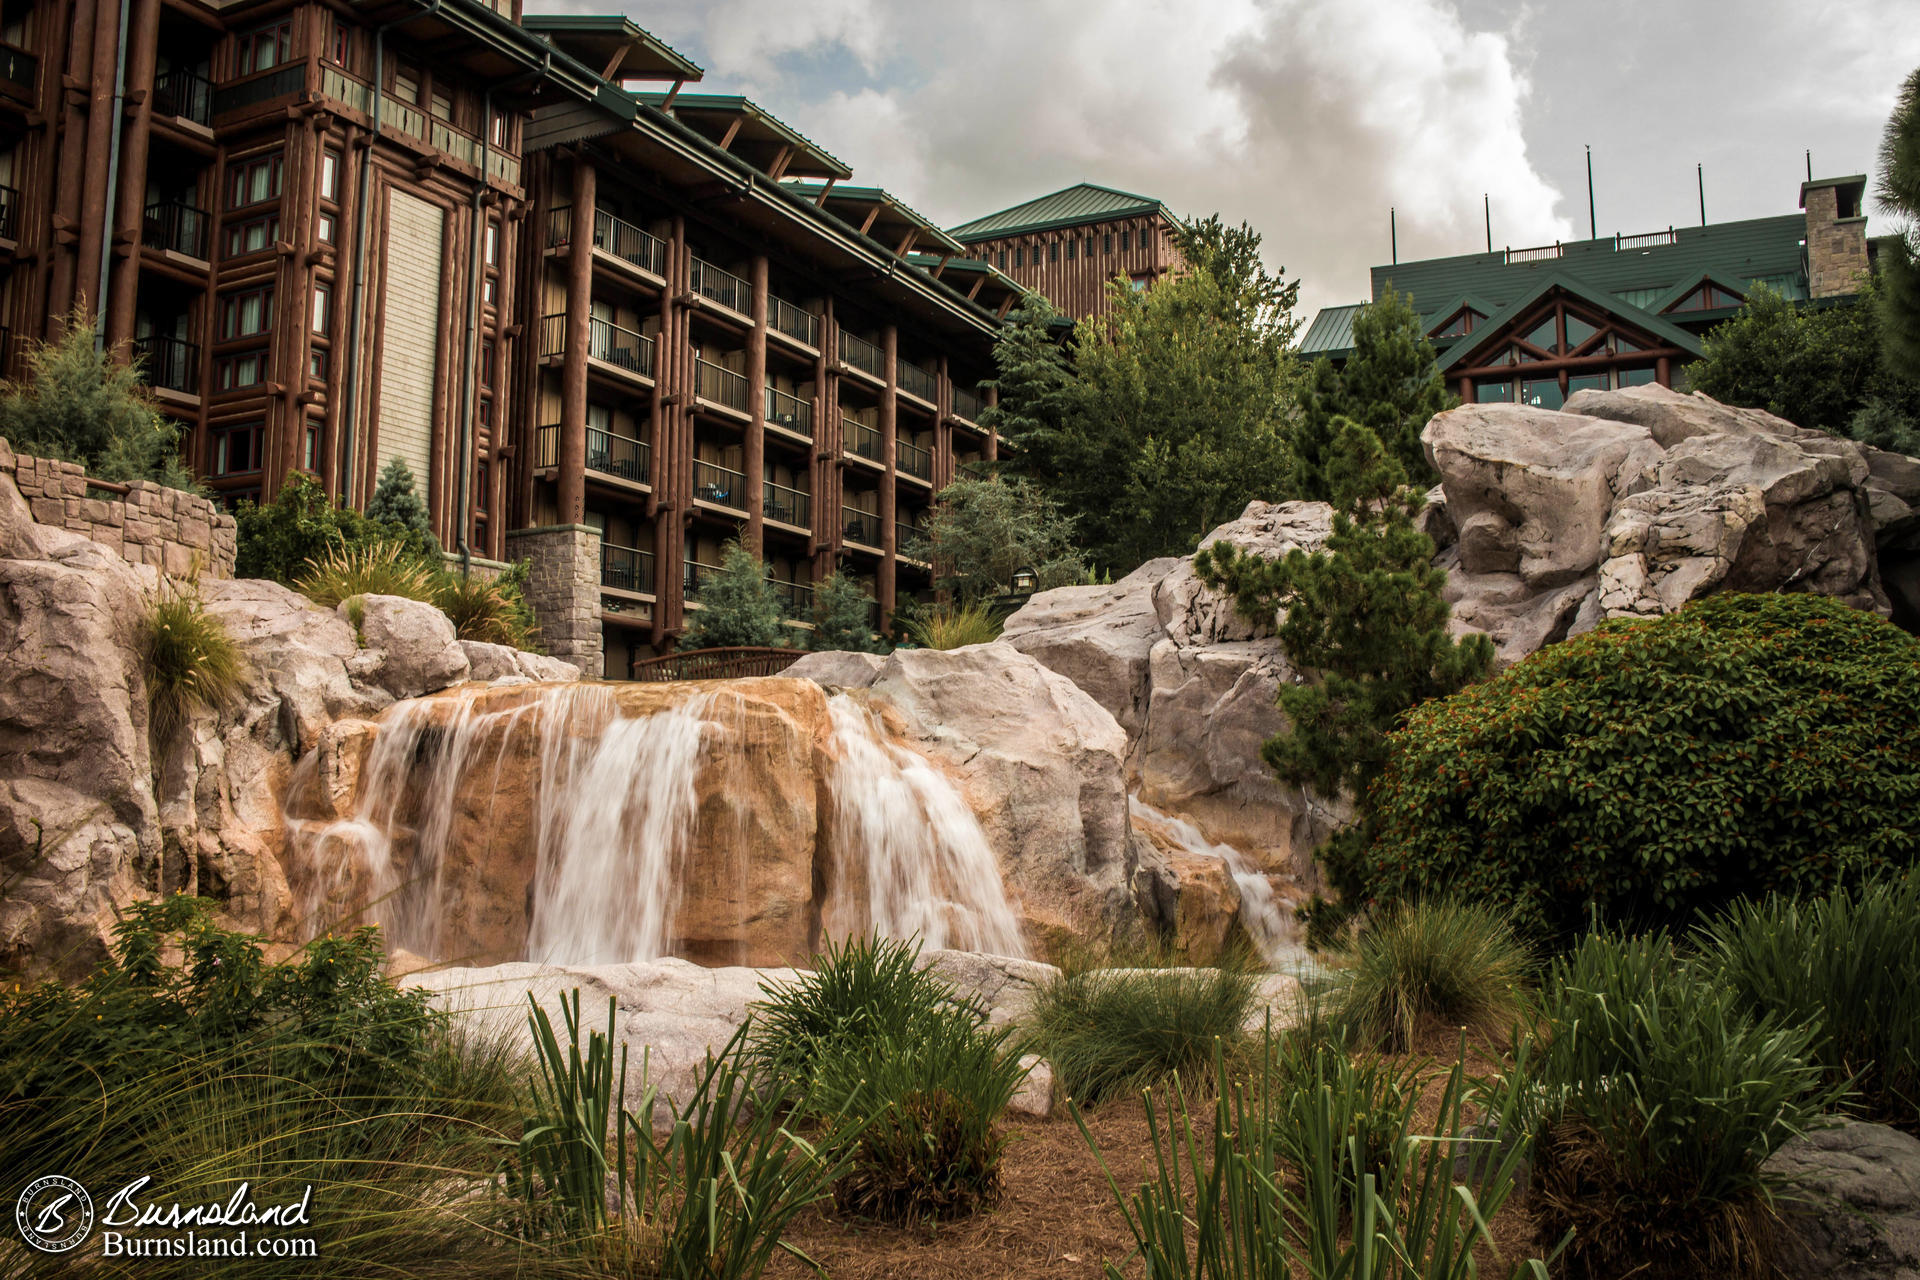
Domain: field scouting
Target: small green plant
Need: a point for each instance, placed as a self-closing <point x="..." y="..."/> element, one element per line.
<point x="283" y="539"/>
<point x="490" y="611"/>
<point x="398" y="507"/>
<point x="1433" y="962"/>
<point x="376" y="569"/>
<point x="191" y="663"/>
<point x="738" y="606"/>
<point x="955" y="627"/>
<point x="843" y="616"/>
<point x="1848" y="967"/>
<point x="1110" y="1032"/>
<point x="1659" y="1101"/>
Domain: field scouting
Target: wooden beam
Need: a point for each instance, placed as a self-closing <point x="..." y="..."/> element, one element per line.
<point x="872" y="214"/>
<point x="733" y="130"/>
<point x="781" y="159"/>
<point x="613" y="63"/>
<point x="666" y="103"/>
<point x="977" y="282"/>
<point x="821" y="199"/>
<point x="906" y="242"/>
<point x="945" y="258"/>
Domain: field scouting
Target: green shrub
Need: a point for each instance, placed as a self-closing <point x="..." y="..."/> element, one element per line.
<point x="843" y="616"/>
<point x="1659" y="1101"/>
<point x="1110" y="1032"/>
<point x="1437" y="961"/>
<point x="302" y="525"/>
<point x="738" y="606"/>
<point x="1648" y="770"/>
<point x="887" y="1044"/>
<point x="493" y="611"/>
<point x="189" y="660"/>
<point x="1848" y="967"/>
<point x="370" y="569"/>
<point x="954" y="627"/>
<point x="395" y="505"/>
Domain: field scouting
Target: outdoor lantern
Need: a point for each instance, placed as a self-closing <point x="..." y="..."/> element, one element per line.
<point x="1025" y="582"/>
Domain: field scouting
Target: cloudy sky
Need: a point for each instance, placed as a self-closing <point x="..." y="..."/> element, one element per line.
<point x="1311" y="118"/>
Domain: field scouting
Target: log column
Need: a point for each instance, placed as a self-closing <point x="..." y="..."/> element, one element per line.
<point x="756" y="457"/>
<point x="572" y="460"/>
<point x="889" y="356"/>
<point x="143" y="47"/>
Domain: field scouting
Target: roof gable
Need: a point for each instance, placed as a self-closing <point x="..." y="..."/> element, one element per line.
<point x="1070" y="206"/>
<point x="1495" y="330"/>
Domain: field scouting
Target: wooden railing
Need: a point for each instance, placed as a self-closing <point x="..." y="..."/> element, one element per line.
<point x="913" y="460"/>
<point x="724" y="287"/>
<point x="793" y="321"/>
<point x="734" y="663"/>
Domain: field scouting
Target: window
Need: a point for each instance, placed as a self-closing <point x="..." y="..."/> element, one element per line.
<point x="1126" y="240"/>
<point x="1003" y="259"/>
<point x="1106" y="242"/>
<point x="1542" y="393"/>
<point x="1636" y="377"/>
<point x="322" y="308"/>
<point x="323" y="228"/>
<point x="1543" y="335"/>
<point x="310" y="453"/>
<point x="1461" y="324"/>
<point x="265" y="47"/>
<point x="342" y="50"/>
<point x="487" y="355"/>
<point x="1492" y="392"/>
<point x="236" y="373"/>
<point x="486" y="413"/>
<point x="491" y="251"/>
<point x="1586" y="381"/>
<point x="1070" y="247"/>
<point x="254" y="180"/>
<point x="483" y="497"/>
<point x="245" y="313"/>
<point x="489" y="291"/>
<point x="330" y="175"/>
<point x="1019" y="257"/>
<point x="1053" y="251"/>
<point x="1707" y="297"/>
<point x="317" y="364"/>
<point x="441" y="105"/>
<point x="499" y="130"/>
<point x="1578" y="331"/>
<point x="252" y="236"/>
<point x="406" y="83"/>
<point x="236" y="450"/>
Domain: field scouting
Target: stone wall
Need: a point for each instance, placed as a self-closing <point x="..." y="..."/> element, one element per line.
<point x="1836" y="246"/>
<point x="181" y="534"/>
<point x="563" y="586"/>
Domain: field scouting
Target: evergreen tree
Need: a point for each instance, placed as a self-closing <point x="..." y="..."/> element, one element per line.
<point x="1391" y="385"/>
<point x="738" y="606"/>
<point x="980" y="532"/>
<point x="80" y="405"/>
<point x="1899" y="196"/>
<point x="842" y="616"/>
<point x="1366" y="615"/>
<point x="1034" y="380"/>
<point x="396" y="505"/>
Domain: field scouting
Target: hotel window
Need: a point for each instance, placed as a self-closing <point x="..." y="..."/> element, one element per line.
<point x="246" y="313"/>
<point x="265" y="48"/>
<point x="1088" y="249"/>
<point x="322" y="308"/>
<point x="486" y="363"/>
<point x="342" y="50"/>
<point x="236" y="450"/>
<point x="330" y="175"/>
<point x="1019" y="258"/>
<point x="490" y="291"/>
<point x="499" y="131"/>
<point x="311" y="452"/>
<point x="317" y="364"/>
<point x="1542" y="393"/>
<point x="237" y="373"/>
<point x="441" y="105"/>
<point x="1636" y="377"/>
<point x="1126" y="239"/>
<point x="1003" y="259"/>
<point x="406" y="84"/>
<point x="323" y="228"/>
<point x="491" y="251"/>
<point x="1053" y="251"/>
<point x="253" y="181"/>
<point x="1493" y="392"/>
<point x="1071" y="244"/>
<point x="1587" y="382"/>
<point x="256" y="235"/>
<point x="1106" y="242"/>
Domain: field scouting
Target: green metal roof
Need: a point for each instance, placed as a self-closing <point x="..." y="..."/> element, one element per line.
<point x="729" y="107"/>
<point x="602" y="35"/>
<point x="1071" y="206"/>
<point x="1494" y="330"/>
<point x="1331" y="332"/>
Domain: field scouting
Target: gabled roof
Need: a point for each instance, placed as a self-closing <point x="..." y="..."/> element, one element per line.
<point x="746" y="129"/>
<point x="1480" y="305"/>
<point x="878" y="215"/>
<point x="1719" y="279"/>
<point x="1070" y="206"/>
<point x="1494" y="329"/>
<point x="1331" y="332"/>
<point x="615" y="48"/>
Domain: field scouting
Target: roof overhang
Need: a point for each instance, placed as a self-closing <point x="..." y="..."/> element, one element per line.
<point x="614" y="47"/>
<point x="880" y="216"/>
<point x="743" y="128"/>
<point x="1463" y="353"/>
<point x="522" y="68"/>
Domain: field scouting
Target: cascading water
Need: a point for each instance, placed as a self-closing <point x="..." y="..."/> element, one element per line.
<point x="1261" y="913"/>
<point x="457" y="791"/>
<point x="930" y="872"/>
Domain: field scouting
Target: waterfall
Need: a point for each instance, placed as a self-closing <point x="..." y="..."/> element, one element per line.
<point x="1261" y="913"/>
<point x="609" y="805"/>
<point x="929" y="870"/>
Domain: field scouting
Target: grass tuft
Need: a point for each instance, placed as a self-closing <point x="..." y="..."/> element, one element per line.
<point x="954" y="627"/>
<point x="1111" y="1032"/>
<point x="485" y="610"/>
<point x="377" y="569"/>
<point x="191" y="663"/>
<point x="1436" y="962"/>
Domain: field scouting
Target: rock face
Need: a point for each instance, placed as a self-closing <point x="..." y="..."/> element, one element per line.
<point x="1099" y="637"/>
<point x="837" y="669"/>
<point x="1859" y="1216"/>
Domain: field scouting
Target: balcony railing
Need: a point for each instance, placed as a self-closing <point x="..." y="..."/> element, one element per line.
<point x="19" y="70"/>
<point x="913" y="460"/>
<point x="863" y="355"/>
<point x="629" y="243"/>
<point x="788" y="506"/>
<point x="696" y="575"/>
<point x="906" y="538"/>
<point x="864" y="441"/>
<point x="721" y="385"/>
<point x="966" y="404"/>
<point x="914" y="380"/>
<point x="185" y="94"/>
<point x="176" y="227"/>
<point x="622" y="348"/>
<point x="793" y="321"/>
<point x="169" y="363"/>
<point x="796" y="599"/>
<point x="626" y="568"/>
<point x="278" y="83"/>
<point x="724" y="287"/>
<point x="860" y="526"/>
<point x="612" y="454"/>
<point x="722" y="486"/>
<point x="791" y="412"/>
<point x="9" y="213"/>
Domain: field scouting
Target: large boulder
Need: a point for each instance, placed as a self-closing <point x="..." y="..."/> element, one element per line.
<point x="1194" y="614"/>
<point x="411" y="647"/>
<point x="1672" y="416"/>
<point x="1854" y="1213"/>
<point x="1099" y="637"/>
<point x="488" y="662"/>
<point x="837" y="669"/>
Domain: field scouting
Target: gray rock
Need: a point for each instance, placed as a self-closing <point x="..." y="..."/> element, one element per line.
<point x="837" y="669"/>
<point x="1099" y="637"/>
<point x="1034" y="1097"/>
<point x="1672" y="416"/>
<point x="488" y="662"/>
<point x="411" y="647"/>
<point x="1006" y="985"/>
<point x="1857" y="1215"/>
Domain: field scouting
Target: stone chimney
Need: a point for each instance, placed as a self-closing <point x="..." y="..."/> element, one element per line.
<point x="1836" y="235"/>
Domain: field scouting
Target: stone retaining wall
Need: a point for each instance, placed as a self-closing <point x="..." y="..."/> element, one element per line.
<point x="563" y="586"/>
<point x="181" y="534"/>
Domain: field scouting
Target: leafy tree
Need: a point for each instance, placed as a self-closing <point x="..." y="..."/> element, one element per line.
<point x="395" y="502"/>
<point x="738" y="606"/>
<point x="842" y="616"/>
<point x="1899" y="195"/>
<point x="1173" y="414"/>
<point x="1390" y="385"/>
<point x="81" y="405"/>
<point x="301" y="524"/>
<point x="1366" y="614"/>
<point x="981" y="531"/>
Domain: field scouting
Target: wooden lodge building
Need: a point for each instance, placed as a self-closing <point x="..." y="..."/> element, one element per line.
<point x="1069" y="245"/>
<point x="1536" y="325"/>
<point x="608" y="324"/>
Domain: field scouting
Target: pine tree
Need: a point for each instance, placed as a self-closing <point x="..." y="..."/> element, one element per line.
<point x="1367" y="616"/>
<point x="1899" y="196"/>
<point x="80" y="405"/>
<point x="738" y="606"/>
<point x="843" y="616"/>
<point x="396" y="505"/>
<point x="980" y="532"/>
<point x="1391" y="385"/>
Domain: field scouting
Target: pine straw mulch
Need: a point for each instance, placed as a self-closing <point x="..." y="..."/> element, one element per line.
<point x="1056" y="1219"/>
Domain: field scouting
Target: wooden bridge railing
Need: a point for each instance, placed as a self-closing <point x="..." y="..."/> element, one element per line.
<point x="717" y="664"/>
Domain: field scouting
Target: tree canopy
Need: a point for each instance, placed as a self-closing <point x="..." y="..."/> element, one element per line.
<point x="738" y="606"/>
<point x="981" y="531"/>
<point x="843" y="616"/>
<point x="1899" y="196"/>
